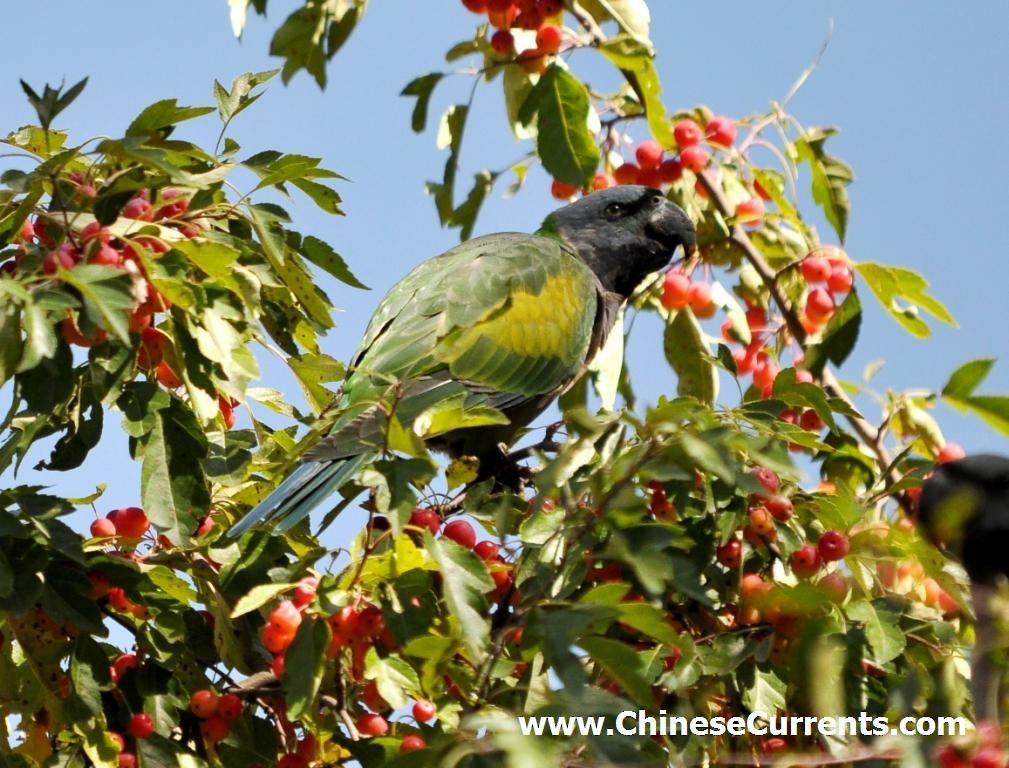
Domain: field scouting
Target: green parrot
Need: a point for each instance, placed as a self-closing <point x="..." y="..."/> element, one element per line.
<point x="483" y="338"/>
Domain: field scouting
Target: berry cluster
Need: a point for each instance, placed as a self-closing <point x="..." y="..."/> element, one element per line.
<point x="532" y="15"/>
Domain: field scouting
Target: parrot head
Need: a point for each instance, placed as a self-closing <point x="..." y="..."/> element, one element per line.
<point x="623" y="233"/>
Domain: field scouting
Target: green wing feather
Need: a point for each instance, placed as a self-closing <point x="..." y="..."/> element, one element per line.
<point x="498" y="321"/>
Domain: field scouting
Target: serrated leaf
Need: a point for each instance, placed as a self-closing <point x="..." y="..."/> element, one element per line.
<point x="882" y="629"/>
<point x="304" y="666"/>
<point x="635" y="58"/>
<point x="161" y="115"/>
<point x="765" y="693"/>
<point x="892" y="285"/>
<point x="464" y="582"/>
<point x="623" y="664"/>
<point x="323" y="256"/>
<point x="690" y="358"/>
<point x="107" y="296"/>
<point x="560" y="104"/>
<point x="967" y="378"/>
<point x="230" y="103"/>
<point x="395" y="679"/>
<point x="422" y="88"/>
<point x="830" y="177"/>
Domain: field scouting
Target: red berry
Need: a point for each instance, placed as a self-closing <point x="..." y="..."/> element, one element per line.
<point x="103" y="527"/>
<point x="603" y="181"/>
<point x="285" y="617"/>
<point x="423" y="710"/>
<point x="833" y="545"/>
<point x="122" y="663"/>
<point x="815" y="269"/>
<point x="487" y="550"/>
<point x="720" y="131"/>
<point x="780" y="508"/>
<point x="227" y="411"/>
<point x="203" y="703"/>
<point x="765" y="371"/>
<point x="372" y="725"/>
<point x="951" y="452"/>
<point x="767" y="478"/>
<point x="841" y="278"/>
<point x="229" y="706"/>
<point x="761" y="522"/>
<point x="502" y="42"/>
<point x="699" y="298"/>
<point x="687" y="133"/>
<point x="730" y="554"/>
<point x="140" y="726"/>
<point x="819" y="305"/>
<point x="750" y="211"/>
<point x="167" y="376"/>
<point x="292" y="760"/>
<point x="548" y="39"/>
<point x="304" y="593"/>
<point x="95" y="231"/>
<point x="206" y="526"/>
<point x="412" y="743"/>
<point x="561" y="190"/>
<point x="989" y="756"/>
<point x="138" y="208"/>
<point x="27" y="231"/>
<point x="126" y="760"/>
<point x="215" y="728"/>
<point x="675" y="290"/>
<point x="810" y="421"/>
<point x="130" y="522"/>
<point x="649" y="155"/>
<point x="627" y="173"/>
<point x="694" y="158"/>
<point x="671" y="170"/>
<point x="477" y="6"/>
<point x="461" y="532"/>
<point x="805" y="561"/>
<point x="106" y="256"/>
<point x="422" y="517"/>
<point x="650" y="178"/>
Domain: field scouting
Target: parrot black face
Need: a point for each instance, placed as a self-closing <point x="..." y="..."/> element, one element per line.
<point x="964" y="505"/>
<point x="623" y="233"/>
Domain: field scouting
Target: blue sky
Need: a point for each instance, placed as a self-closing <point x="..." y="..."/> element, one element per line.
<point x="921" y="97"/>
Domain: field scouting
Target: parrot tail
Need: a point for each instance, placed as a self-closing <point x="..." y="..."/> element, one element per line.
<point x="300" y="493"/>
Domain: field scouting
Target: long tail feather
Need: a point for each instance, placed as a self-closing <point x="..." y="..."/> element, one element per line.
<point x="301" y="492"/>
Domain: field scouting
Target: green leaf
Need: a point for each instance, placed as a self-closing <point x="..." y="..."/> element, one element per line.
<point x="464" y="582"/>
<point x="172" y="484"/>
<point x="967" y="378"/>
<point x="312" y="372"/>
<point x="607" y="366"/>
<point x="631" y="16"/>
<point x="107" y="296"/>
<point x="230" y="103"/>
<point x="993" y="409"/>
<point x="422" y="88"/>
<point x="10" y="339"/>
<point x="450" y="133"/>
<point x="560" y="103"/>
<point x="453" y="413"/>
<point x="89" y="673"/>
<point x="764" y="693"/>
<point x="395" y="679"/>
<point x="465" y="215"/>
<point x="839" y="337"/>
<point x="625" y="665"/>
<point x="52" y="101"/>
<point x="323" y="256"/>
<point x="636" y="59"/>
<point x="891" y="285"/>
<point x="305" y="664"/>
<point x="161" y="115"/>
<point x="830" y="177"/>
<point x="517" y="86"/>
<point x="689" y="356"/>
<point x="882" y="629"/>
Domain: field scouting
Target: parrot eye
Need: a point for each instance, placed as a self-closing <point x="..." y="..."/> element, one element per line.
<point x="614" y="211"/>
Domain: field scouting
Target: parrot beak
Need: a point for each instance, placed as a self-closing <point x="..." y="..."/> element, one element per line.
<point x="669" y="226"/>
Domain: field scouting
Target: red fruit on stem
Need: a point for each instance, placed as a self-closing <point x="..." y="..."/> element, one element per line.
<point x="126" y="760"/>
<point x="699" y="299"/>
<point x="130" y="522"/>
<point x="561" y="190"/>
<point x="423" y="710"/>
<point x="833" y="545"/>
<point x="687" y="133"/>
<point x="140" y="726"/>
<point x="422" y="517"/>
<point x="730" y="554"/>
<point x="476" y="6"/>
<point x="841" y="278"/>
<point x="503" y="42"/>
<point x="138" y="208"/>
<point x="815" y="269"/>
<point x="767" y="478"/>
<point x="203" y="703"/>
<point x="649" y="155"/>
<point x="627" y="173"/>
<point x="720" y="131"/>
<point x="487" y="550"/>
<point x="819" y="305"/>
<point x="103" y="527"/>
<point x="603" y="181"/>
<point x="461" y="532"/>
<point x="292" y="760"/>
<point x="206" y="525"/>
<point x="230" y="706"/>
<point x="285" y="617"/>
<point x="215" y="728"/>
<point x="780" y="508"/>
<point x="227" y="411"/>
<point x="167" y="376"/>
<point x="412" y="743"/>
<point x="951" y="452"/>
<point x="675" y="290"/>
<point x="750" y="212"/>
<point x="805" y="561"/>
<point x="372" y="725"/>
<point x="671" y="170"/>
<point x="694" y="158"/>
<point x="549" y="38"/>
